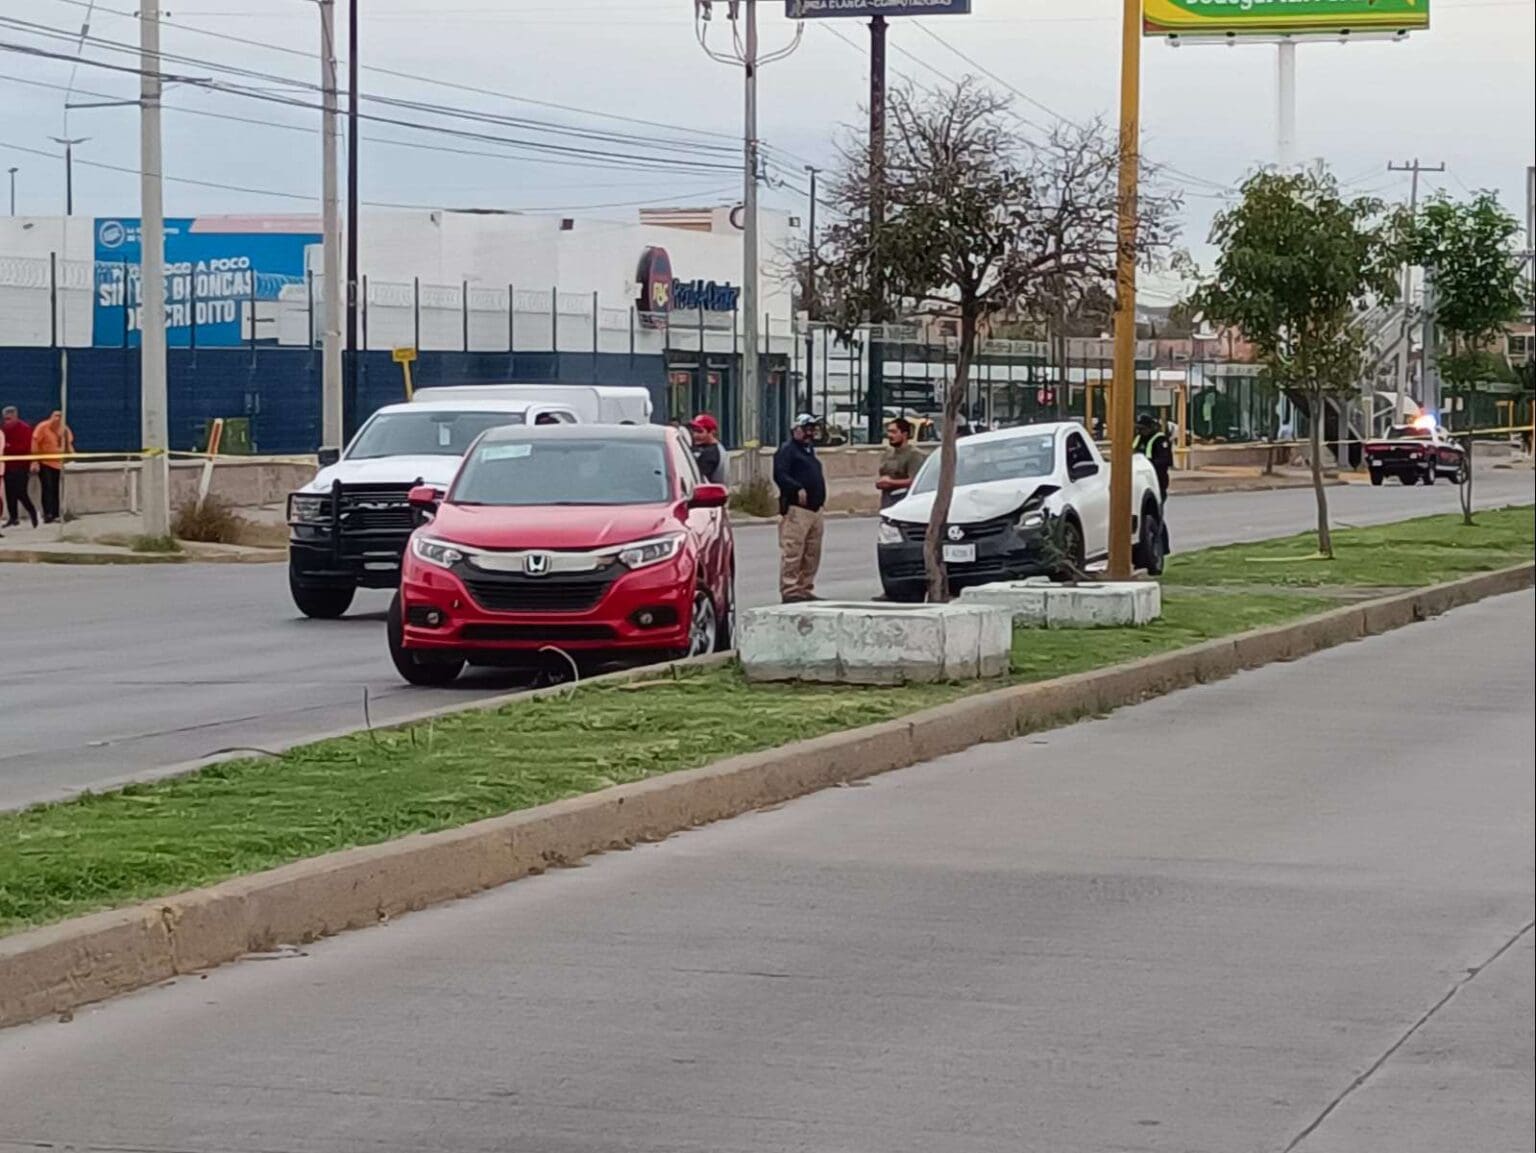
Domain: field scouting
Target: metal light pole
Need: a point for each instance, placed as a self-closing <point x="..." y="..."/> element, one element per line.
<point x="13" y="171"/>
<point x="332" y="409"/>
<point x="1123" y="392"/>
<point x="810" y="302"/>
<point x="155" y="471"/>
<point x="69" y="169"/>
<point x="1285" y="104"/>
<point x="875" y="393"/>
<point x="747" y="55"/>
<point x="352" y="221"/>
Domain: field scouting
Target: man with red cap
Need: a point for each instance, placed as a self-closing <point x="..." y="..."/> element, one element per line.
<point x="707" y="452"/>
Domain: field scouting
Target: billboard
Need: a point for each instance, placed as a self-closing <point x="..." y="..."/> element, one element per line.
<point x="1277" y="17"/>
<point x="820" y="9"/>
<point x="217" y="269"/>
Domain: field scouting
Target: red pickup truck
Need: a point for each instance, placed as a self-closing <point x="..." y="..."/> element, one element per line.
<point x="1413" y="453"/>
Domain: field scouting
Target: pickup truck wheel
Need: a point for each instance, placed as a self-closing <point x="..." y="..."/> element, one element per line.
<point x="1377" y="478"/>
<point x="1430" y="474"/>
<point x="320" y="602"/>
<point x="1408" y="479"/>
<point x="422" y="669"/>
<point x="1069" y="542"/>
<point x="1460" y="476"/>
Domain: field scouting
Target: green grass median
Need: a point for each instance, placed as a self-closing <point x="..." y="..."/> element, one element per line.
<point x="98" y="852"/>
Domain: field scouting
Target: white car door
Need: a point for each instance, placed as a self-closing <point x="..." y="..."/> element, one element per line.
<point x="1087" y="491"/>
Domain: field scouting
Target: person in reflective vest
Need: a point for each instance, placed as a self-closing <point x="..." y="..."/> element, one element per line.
<point x="1153" y="444"/>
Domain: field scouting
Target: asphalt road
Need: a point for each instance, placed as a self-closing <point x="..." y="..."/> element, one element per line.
<point x="110" y="672"/>
<point x="1286" y="913"/>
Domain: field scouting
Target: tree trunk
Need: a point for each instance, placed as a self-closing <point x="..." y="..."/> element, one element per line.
<point x="1324" y="536"/>
<point x="1466" y="479"/>
<point x="933" y="542"/>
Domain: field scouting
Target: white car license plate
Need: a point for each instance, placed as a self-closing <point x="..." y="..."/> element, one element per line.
<point x="959" y="554"/>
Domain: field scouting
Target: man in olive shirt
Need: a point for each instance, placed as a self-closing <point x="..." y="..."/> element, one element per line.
<point x="899" y="465"/>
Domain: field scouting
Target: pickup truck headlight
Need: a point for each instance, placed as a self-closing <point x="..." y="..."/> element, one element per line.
<point x="644" y="553"/>
<point x="308" y="509"/>
<point x="889" y="533"/>
<point x="441" y="553"/>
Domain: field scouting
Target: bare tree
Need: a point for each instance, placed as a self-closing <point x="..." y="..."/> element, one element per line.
<point x="981" y="224"/>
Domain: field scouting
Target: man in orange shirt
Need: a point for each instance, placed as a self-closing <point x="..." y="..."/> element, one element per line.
<point x="51" y="438"/>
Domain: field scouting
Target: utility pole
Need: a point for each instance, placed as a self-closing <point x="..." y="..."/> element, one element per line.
<point x="352" y="221"/>
<point x="750" y="58"/>
<point x="1401" y="403"/>
<point x="13" y="170"/>
<point x="154" y="467"/>
<point x="810" y="301"/>
<point x="1122" y="394"/>
<point x="875" y="392"/>
<point x="69" y="169"/>
<point x="751" y="380"/>
<point x="332" y="409"/>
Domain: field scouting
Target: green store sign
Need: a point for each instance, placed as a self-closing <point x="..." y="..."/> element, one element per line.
<point x="1271" y="17"/>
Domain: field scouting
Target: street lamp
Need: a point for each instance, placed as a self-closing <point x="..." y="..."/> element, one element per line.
<point x="13" y="170"/>
<point x="69" y="169"/>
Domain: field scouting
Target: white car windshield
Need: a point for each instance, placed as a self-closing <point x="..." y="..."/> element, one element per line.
<point x="977" y="462"/>
<point x="425" y="433"/>
<point x="595" y="471"/>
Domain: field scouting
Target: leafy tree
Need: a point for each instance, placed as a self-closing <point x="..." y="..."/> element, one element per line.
<point x="1469" y="249"/>
<point x="980" y="223"/>
<point x="1297" y="264"/>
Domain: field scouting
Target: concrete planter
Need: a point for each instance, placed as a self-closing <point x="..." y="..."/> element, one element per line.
<point x="874" y="644"/>
<point x="1040" y="603"/>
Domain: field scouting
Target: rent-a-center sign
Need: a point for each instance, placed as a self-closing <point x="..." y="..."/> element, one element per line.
<point x="820" y="9"/>
<point x="1280" y="17"/>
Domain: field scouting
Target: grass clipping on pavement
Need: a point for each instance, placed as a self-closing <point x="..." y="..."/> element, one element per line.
<point x="241" y="817"/>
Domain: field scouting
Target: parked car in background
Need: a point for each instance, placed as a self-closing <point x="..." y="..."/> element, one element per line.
<point x="600" y="541"/>
<point x="1028" y="501"/>
<point x="1415" y="452"/>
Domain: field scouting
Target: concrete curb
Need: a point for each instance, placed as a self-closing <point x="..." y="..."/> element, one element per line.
<point x="60" y="967"/>
<point x="190" y="555"/>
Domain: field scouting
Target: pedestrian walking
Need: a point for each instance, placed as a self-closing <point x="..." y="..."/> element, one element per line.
<point x="802" y="494"/>
<point x="52" y="438"/>
<point x="17" y="435"/>
<point x="704" y="430"/>
<point x="899" y="464"/>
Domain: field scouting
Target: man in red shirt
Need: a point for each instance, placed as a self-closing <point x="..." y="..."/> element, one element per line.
<point x="18" y="442"/>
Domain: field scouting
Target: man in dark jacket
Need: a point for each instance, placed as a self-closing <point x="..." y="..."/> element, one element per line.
<point x="707" y="453"/>
<point x="802" y="493"/>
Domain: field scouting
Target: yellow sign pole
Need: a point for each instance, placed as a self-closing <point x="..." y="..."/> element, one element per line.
<point x="1122" y="393"/>
<point x="405" y="357"/>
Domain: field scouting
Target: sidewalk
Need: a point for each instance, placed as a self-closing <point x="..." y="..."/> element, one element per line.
<point x="108" y="538"/>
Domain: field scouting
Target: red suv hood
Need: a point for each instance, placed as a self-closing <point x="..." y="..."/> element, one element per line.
<point x="552" y="527"/>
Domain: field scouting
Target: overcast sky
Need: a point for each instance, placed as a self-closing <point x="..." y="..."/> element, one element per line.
<point x="1461" y="93"/>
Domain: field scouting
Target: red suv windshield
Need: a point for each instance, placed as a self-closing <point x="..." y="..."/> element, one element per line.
<point x="595" y="471"/>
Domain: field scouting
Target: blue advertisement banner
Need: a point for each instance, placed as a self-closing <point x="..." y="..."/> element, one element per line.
<point x="215" y="277"/>
<point x="820" y="9"/>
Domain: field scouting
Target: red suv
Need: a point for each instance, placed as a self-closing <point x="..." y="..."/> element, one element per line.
<point x="598" y="541"/>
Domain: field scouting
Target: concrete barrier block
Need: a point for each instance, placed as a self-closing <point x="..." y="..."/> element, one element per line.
<point x="1040" y="603"/>
<point x="874" y="644"/>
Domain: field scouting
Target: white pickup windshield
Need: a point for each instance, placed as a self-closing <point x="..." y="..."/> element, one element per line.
<point x="977" y="462"/>
<point x="426" y="433"/>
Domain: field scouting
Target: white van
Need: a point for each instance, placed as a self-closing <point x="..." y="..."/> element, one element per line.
<point x="592" y="403"/>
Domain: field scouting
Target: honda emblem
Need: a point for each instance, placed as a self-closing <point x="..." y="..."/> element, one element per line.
<point x="536" y="564"/>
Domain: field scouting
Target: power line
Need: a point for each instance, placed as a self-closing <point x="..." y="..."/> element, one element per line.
<point x="422" y="79"/>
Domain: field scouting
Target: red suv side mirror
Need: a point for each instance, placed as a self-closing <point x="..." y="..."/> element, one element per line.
<point x="424" y="496"/>
<point x="710" y="496"/>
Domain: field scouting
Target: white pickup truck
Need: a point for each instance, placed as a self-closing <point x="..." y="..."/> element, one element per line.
<point x="1028" y="501"/>
<point x="348" y="528"/>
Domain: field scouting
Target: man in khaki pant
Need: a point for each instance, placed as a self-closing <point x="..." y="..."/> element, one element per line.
<point x="802" y="493"/>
